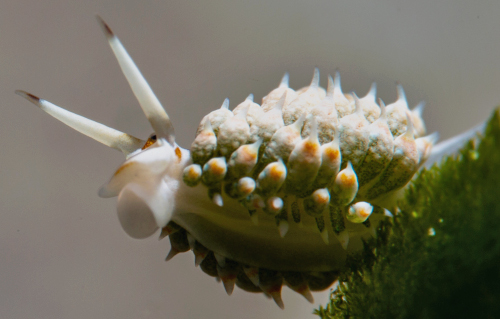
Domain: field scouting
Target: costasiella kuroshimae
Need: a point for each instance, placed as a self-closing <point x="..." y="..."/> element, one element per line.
<point x="268" y="195"/>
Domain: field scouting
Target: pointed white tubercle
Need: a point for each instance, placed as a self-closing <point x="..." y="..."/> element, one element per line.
<point x="207" y="126"/>
<point x="424" y="146"/>
<point x="419" y="109"/>
<point x="108" y="136"/>
<point x="358" y="109"/>
<point x="300" y="122"/>
<point x="191" y="241"/>
<point x="324" y="236"/>
<point x="171" y="254"/>
<point x="315" y="80"/>
<point x="330" y="88"/>
<point x="388" y="213"/>
<point x="359" y="212"/>
<point x="249" y="97"/>
<point x="383" y="114"/>
<point x="409" y="126"/>
<point x="372" y="93"/>
<point x="225" y="104"/>
<point x="150" y="104"/>
<point x="285" y="81"/>
<point x="276" y="295"/>
<point x="217" y="199"/>
<point x="313" y="134"/>
<point x="252" y="274"/>
<point x="281" y="102"/>
<point x="337" y="86"/>
<point x="283" y="227"/>
<point x="401" y="95"/>
<point x="343" y="238"/>
<point x="308" y="295"/>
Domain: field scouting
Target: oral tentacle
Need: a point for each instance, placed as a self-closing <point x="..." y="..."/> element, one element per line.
<point x="143" y="167"/>
<point x="142" y="209"/>
<point x="123" y="142"/>
<point x="150" y="104"/>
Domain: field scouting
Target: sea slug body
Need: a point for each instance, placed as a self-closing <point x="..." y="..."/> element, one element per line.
<point x="267" y="195"/>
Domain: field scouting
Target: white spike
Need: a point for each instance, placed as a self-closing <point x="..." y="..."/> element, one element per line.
<point x="217" y="199"/>
<point x="99" y="132"/>
<point x="343" y="238"/>
<point x="285" y="81"/>
<point x="171" y="254"/>
<point x="409" y="126"/>
<point x="330" y="88"/>
<point x="191" y="241"/>
<point x="358" y="109"/>
<point x="337" y="85"/>
<point x="198" y="259"/>
<point x="283" y="227"/>
<point x="419" y="109"/>
<point x="324" y="236"/>
<point x="300" y="122"/>
<point x="372" y="93"/>
<point x="249" y="97"/>
<point x="281" y="102"/>
<point x="432" y="138"/>
<point x="388" y="213"/>
<point x="150" y="104"/>
<point x="383" y="113"/>
<point x="313" y="134"/>
<point x="207" y="126"/>
<point x="308" y="295"/>
<point x="401" y="94"/>
<point x="277" y="299"/>
<point x="225" y="104"/>
<point x="315" y="80"/>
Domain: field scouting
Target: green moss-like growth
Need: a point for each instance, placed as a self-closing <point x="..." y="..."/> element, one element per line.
<point x="440" y="257"/>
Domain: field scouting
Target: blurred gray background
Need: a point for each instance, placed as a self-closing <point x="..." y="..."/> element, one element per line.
<point x="63" y="252"/>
